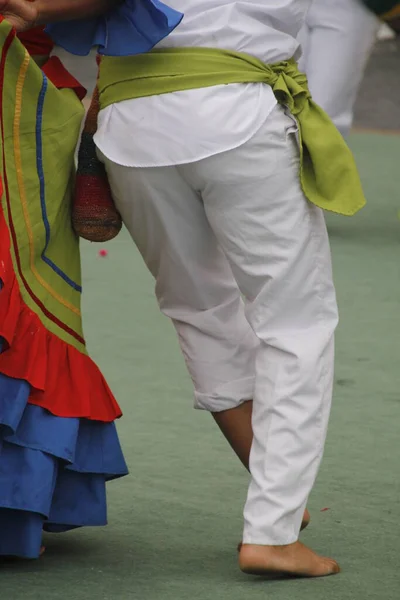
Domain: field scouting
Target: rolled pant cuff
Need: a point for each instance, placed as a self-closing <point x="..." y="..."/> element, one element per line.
<point x="227" y="396"/>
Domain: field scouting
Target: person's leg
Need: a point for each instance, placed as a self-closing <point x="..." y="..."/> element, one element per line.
<point x="278" y="248"/>
<point x="194" y="282"/>
<point x="235" y="424"/>
<point x="341" y="35"/>
<point x="196" y="289"/>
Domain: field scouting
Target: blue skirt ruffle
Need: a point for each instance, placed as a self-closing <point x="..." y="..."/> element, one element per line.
<point x="53" y="471"/>
<point x="134" y="27"/>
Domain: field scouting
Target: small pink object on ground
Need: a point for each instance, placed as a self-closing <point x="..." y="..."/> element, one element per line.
<point x="103" y="253"/>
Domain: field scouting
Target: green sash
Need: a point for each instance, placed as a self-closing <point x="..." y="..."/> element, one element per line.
<point x="328" y="172"/>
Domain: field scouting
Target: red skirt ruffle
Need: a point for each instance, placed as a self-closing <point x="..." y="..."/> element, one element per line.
<point x="64" y="381"/>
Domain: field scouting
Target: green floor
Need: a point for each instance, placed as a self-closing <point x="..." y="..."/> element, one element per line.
<point x="175" y="522"/>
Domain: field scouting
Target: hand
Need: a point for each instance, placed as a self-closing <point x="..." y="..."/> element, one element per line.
<point x="22" y="14"/>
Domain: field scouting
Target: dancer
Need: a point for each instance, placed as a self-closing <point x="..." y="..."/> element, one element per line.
<point x="337" y="40"/>
<point x="58" y="443"/>
<point x="221" y="185"/>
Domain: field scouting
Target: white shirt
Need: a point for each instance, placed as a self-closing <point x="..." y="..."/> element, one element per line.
<point x="183" y="127"/>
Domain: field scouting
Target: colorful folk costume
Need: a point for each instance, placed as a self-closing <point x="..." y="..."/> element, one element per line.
<point x="219" y="163"/>
<point x="337" y="39"/>
<point x="58" y="442"/>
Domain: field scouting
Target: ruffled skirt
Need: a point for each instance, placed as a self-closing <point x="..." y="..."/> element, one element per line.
<point x="58" y="441"/>
<point x="53" y="471"/>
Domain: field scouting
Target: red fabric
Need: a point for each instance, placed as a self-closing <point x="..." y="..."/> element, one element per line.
<point x="64" y="381"/>
<point x="61" y="78"/>
<point x="36" y="41"/>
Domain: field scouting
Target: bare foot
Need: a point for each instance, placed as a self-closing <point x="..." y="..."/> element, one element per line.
<point x="305" y="523"/>
<point x="295" y="559"/>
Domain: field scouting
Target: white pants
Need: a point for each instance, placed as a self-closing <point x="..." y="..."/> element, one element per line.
<point x="238" y="224"/>
<point x="337" y="40"/>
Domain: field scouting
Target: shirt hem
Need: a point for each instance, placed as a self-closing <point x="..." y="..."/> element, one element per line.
<point x="197" y="158"/>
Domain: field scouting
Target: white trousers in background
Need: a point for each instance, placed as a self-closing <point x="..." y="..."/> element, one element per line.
<point x="236" y="224"/>
<point x="337" y="40"/>
<point x="83" y="68"/>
